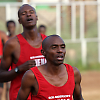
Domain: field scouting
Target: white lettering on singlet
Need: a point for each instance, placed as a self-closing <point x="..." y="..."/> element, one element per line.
<point x="40" y="60"/>
<point x="60" y="97"/>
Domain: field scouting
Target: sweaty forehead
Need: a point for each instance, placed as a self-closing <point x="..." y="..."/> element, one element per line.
<point x="25" y="8"/>
<point x="55" y="40"/>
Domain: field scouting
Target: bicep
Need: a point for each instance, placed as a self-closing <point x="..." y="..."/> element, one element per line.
<point x="7" y="57"/>
<point x="26" y="84"/>
<point x="77" y="92"/>
<point x="23" y="93"/>
<point x="77" y="95"/>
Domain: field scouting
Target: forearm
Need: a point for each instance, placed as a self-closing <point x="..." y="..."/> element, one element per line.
<point x="78" y="98"/>
<point x="6" y="76"/>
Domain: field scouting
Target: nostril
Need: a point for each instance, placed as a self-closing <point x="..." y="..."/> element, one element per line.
<point x="59" y="51"/>
<point x="28" y="14"/>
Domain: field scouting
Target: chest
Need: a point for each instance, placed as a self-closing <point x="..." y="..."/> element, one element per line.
<point x="51" y="91"/>
<point x="58" y="80"/>
<point x="25" y="52"/>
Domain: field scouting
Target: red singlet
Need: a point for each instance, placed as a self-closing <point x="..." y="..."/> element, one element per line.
<point x="1" y="49"/>
<point x="49" y="92"/>
<point x="27" y="52"/>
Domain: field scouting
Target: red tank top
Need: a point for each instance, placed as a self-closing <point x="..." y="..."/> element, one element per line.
<point x="27" y="52"/>
<point x="1" y="49"/>
<point x="49" y="92"/>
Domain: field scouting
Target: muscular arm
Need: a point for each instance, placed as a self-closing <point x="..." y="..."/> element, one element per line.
<point x="10" y="52"/>
<point x="77" y="95"/>
<point x="6" y="61"/>
<point x="3" y="37"/>
<point x="28" y="81"/>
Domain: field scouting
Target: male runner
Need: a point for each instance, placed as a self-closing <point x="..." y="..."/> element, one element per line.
<point x="23" y="51"/>
<point x="11" y="27"/>
<point x="42" y="29"/>
<point x="53" y="80"/>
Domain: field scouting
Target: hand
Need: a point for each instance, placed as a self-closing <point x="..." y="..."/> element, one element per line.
<point x="27" y="65"/>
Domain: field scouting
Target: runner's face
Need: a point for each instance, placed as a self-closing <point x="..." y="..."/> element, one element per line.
<point x="42" y="30"/>
<point x="55" y="51"/>
<point x="27" y="16"/>
<point x="11" y="28"/>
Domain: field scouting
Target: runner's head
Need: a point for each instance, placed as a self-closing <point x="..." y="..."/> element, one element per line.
<point x="11" y="25"/>
<point x="42" y="29"/>
<point x="27" y="16"/>
<point x="54" y="49"/>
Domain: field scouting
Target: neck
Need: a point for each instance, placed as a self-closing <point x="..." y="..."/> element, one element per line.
<point x="54" y="69"/>
<point x="11" y="35"/>
<point x="31" y="34"/>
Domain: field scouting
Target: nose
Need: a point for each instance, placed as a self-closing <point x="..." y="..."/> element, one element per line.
<point x="28" y="14"/>
<point x="60" y="50"/>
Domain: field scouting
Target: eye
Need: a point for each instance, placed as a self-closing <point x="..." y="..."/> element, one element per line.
<point x="23" y="13"/>
<point x="31" y="11"/>
<point x="63" y="46"/>
<point x="53" y="47"/>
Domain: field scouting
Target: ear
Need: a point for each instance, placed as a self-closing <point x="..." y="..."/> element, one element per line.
<point x="43" y="52"/>
<point x="36" y="17"/>
<point x="19" y="21"/>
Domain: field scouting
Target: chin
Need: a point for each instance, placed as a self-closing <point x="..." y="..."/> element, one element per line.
<point x="30" y="26"/>
<point x="58" y="63"/>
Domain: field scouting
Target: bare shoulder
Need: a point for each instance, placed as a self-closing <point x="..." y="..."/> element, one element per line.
<point x="77" y="74"/>
<point x="29" y="74"/>
<point x="76" y="71"/>
<point x="29" y="78"/>
<point x="11" y="46"/>
<point x="13" y="42"/>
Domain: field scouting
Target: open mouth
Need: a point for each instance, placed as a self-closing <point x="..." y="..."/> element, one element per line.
<point x="30" y="19"/>
<point x="60" y="57"/>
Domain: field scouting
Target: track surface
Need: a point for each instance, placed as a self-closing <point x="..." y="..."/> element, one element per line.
<point x="91" y="85"/>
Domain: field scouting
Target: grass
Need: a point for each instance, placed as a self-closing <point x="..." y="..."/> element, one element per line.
<point x="81" y="67"/>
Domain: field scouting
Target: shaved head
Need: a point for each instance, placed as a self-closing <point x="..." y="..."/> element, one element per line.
<point x="53" y="49"/>
<point x="48" y="39"/>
